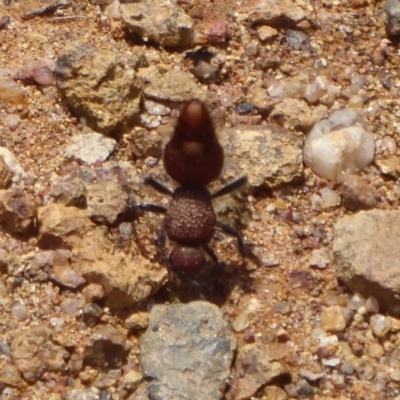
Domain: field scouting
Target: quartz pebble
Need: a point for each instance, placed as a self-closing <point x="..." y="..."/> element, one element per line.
<point x="331" y="362"/>
<point x="241" y="322"/>
<point x="12" y="164"/>
<point x="13" y="121"/>
<point x="72" y="306"/>
<point x="316" y="90"/>
<point x="336" y="147"/>
<point x="380" y="325"/>
<point x="330" y="197"/>
<point x="356" y="302"/>
<point x="19" y="311"/>
<point x="372" y="305"/>
<point x="154" y="108"/>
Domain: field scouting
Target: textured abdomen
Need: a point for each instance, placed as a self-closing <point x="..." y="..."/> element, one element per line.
<point x="190" y="218"/>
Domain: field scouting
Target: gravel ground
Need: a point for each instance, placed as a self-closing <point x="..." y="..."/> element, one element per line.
<point x="89" y="93"/>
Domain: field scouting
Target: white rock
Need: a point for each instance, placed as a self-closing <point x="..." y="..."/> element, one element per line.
<point x="331" y="362"/>
<point x="356" y="302"/>
<point x="380" y="325"/>
<point x="241" y="322"/>
<point x="333" y="155"/>
<point x="316" y="90"/>
<point x="330" y="197"/>
<point x="331" y="340"/>
<point x="12" y="164"/>
<point x="276" y="89"/>
<point x="155" y="108"/>
<point x="90" y="147"/>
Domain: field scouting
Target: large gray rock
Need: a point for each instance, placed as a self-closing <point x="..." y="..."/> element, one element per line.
<point x="187" y="352"/>
<point x="367" y="255"/>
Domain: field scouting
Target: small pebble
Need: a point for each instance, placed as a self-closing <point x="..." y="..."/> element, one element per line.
<point x="334" y="154"/>
<point x="154" y="108"/>
<point x="311" y="376"/>
<point x="331" y="340"/>
<point x="357" y="301"/>
<point x="366" y="370"/>
<point x="331" y="362"/>
<point x="388" y="144"/>
<point x="380" y="325"/>
<point x="90" y="147"/>
<point x="395" y="374"/>
<point x="13" y="121"/>
<point x="132" y="380"/>
<point x="93" y="292"/>
<point x="298" y="40"/>
<point x="19" y="311"/>
<point x="330" y="197"/>
<point x="91" y="312"/>
<point x="375" y="350"/>
<point x="4" y="348"/>
<point x="41" y="71"/>
<point x="226" y="101"/>
<point x="356" y="101"/>
<point x="72" y="306"/>
<point x="304" y="389"/>
<point x="138" y="320"/>
<point x="283" y="307"/>
<point x="11" y="93"/>
<point x="244" y="108"/>
<point x="66" y="276"/>
<point x="333" y="320"/>
<point x="314" y="91"/>
<point x="241" y="322"/>
<point x="347" y="367"/>
<point x="266" y="32"/>
<point x="4" y="21"/>
<point x="320" y="258"/>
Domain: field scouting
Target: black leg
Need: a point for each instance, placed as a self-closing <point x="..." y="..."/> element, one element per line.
<point x="233" y="232"/>
<point x="218" y="266"/>
<point x="161" y="240"/>
<point x="160" y="187"/>
<point x="152" y="207"/>
<point x="211" y="253"/>
<point x="230" y="187"/>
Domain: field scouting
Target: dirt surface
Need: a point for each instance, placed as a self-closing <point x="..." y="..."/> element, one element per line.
<point x="292" y="298"/>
